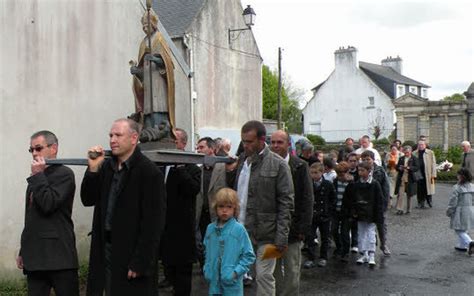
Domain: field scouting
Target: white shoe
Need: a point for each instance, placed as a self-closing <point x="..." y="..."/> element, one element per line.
<point x="355" y="250"/>
<point x="363" y="259"/>
<point x="371" y="260"/>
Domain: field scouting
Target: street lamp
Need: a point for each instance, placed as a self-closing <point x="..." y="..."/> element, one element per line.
<point x="249" y="18"/>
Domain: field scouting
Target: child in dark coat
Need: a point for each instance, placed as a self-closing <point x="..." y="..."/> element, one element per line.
<point x="324" y="201"/>
<point x="363" y="201"/>
<point x="340" y="225"/>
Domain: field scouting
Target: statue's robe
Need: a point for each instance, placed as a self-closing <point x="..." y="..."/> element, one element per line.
<point x="163" y="83"/>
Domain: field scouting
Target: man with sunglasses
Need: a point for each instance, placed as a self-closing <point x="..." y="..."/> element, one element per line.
<point x="48" y="253"/>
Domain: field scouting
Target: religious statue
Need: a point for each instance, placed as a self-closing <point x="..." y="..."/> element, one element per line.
<point x="153" y="83"/>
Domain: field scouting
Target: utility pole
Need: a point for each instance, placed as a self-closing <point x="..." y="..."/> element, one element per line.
<point x="279" y="89"/>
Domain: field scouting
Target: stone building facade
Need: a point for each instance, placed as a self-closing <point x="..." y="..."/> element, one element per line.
<point x="444" y="123"/>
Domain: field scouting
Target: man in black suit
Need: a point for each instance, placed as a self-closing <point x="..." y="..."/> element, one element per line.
<point x="48" y="253"/>
<point x="178" y="249"/>
<point x="128" y="195"/>
<point x="287" y="271"/>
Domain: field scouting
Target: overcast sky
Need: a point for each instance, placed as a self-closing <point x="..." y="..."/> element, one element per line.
<point x="435" y="39"/>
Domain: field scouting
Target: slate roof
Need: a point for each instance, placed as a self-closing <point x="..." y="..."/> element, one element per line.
<point x="177" y="15"/>
<point x="385" y="76"/>
<point x="317" y="87"/>
<point x="470" y="90"/>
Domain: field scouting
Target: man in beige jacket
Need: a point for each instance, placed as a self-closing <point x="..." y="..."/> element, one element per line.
<point x="426" y="185"/>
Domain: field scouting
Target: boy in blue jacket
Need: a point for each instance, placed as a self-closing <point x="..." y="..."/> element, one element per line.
<point x="228" y="249"/>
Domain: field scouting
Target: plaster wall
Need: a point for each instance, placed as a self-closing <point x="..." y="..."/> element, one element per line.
<point x="228" y="80"/>
<point x="65" y="69"/>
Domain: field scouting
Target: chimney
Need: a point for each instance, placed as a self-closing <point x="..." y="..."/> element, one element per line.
<point x="394" y="63"/>
<point x="346" y="57"/>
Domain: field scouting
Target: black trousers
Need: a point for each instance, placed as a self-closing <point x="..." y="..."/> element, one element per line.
<point x="340" y="229"/>
<point x="180" y="277"/>
<point x="64" y="282"/>
<point x="422" y="192"/>
<point x="204" y="221"/>
<point x="354" y="233"/>
<point x="108" y="268"/>
<point x="382" y="232"/>
<point x="323" y="226"/>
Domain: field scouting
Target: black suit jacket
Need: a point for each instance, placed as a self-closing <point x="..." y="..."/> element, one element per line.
<point x="48" y="241"/>
<point x="302" y="218"/>
<point x="179" y="244"/>
<point x="137" y="223"/>
<point x="413" y="164"/>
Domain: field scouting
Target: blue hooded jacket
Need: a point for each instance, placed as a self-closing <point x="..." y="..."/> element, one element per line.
<point x="228" y="250"/>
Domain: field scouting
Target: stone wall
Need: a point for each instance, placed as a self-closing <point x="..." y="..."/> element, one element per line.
<point x="456" y="129"/>
<point x="411" y="131"/>
<point x="436" y="131"/>
<point x="444" y="123"/>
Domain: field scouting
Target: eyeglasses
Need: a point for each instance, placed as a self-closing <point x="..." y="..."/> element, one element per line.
<point x="37" y="148"/>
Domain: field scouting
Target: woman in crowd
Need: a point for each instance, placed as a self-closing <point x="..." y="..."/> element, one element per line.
<point x="405" y="188"/>
<point x="391" y="160"/>
<point x="461" y="210"/>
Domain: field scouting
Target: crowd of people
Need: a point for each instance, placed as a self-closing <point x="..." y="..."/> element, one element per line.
<point x="263" y="216"/>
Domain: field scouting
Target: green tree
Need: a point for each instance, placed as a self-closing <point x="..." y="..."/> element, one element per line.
<point x="457" y="97"/>
<point x="290" y="96"/>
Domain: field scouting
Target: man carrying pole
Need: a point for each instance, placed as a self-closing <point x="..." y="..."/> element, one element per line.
<point x="128" y="195"/>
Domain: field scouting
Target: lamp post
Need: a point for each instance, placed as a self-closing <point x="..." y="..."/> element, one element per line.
<point x="249" y="18"/>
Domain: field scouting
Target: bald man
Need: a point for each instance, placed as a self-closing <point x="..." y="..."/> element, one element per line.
<point x="287" y="282"/>
<point x="468" y="156"/>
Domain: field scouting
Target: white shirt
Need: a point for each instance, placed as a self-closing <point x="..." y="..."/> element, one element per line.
<point x="243" y="189"/>
<point x="377" y="160"/>
<point x="330" y="176"/>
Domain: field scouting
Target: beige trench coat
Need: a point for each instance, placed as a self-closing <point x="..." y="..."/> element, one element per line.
<point x="430" y="169"/>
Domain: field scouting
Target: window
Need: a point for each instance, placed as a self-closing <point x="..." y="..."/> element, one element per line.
<point x="400" y="90"/>
<point x="371" y="101"/>
<point x="315" y="128"/>
<point x="424" y="92"/>
<point x="413" y="90"/>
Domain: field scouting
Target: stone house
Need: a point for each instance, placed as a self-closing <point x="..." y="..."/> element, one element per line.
<point x="357" y="96"/>
<point x="444" y="123"/>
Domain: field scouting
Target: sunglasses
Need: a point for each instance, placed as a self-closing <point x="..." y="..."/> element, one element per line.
<point x="37" y="148"/>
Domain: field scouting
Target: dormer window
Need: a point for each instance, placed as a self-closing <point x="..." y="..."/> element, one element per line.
<point x="413" y="90"/>
<point x="400" y="90"/>
<point x="424" y="92"/>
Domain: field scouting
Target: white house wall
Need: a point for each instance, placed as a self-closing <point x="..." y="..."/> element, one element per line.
<point x="64" y="68"/>
<point x="228" y="83"/>
<point x="341" y="106"/>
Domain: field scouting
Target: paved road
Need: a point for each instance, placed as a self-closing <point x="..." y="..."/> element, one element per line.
<point x="423" y="261"/>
